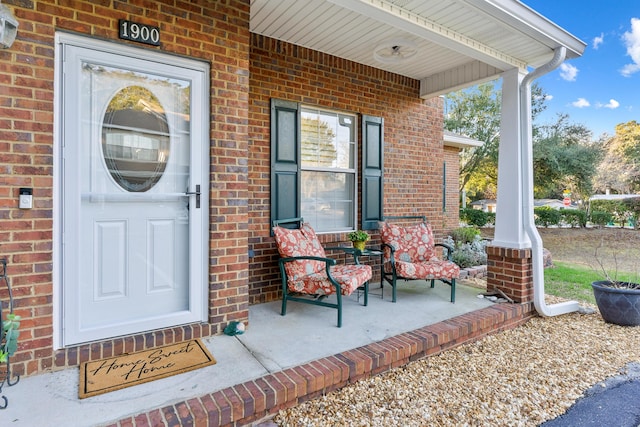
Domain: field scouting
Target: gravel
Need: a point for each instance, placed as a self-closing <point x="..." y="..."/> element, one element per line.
<point x="520" y="377"/>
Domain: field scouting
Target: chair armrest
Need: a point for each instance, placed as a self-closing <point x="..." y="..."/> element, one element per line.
<point x="328" y="261"/>
<point x="327" y="267"/>
<point x="392" y="257"/>
<point x="448" y="248"/>
<point x="388" y="246"/>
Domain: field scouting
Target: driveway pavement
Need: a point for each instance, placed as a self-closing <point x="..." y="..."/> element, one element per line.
<point x="612" y="403"/>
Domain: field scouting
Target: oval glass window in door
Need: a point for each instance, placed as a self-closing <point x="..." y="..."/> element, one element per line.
<point x="135" y="139"/>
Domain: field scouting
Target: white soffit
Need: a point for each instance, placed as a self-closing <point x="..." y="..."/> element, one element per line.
<point x="452" y="139"/>
<point x="454" y="43"/>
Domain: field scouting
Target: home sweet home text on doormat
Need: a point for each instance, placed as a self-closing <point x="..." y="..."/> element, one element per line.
<point x="114" y="373"/>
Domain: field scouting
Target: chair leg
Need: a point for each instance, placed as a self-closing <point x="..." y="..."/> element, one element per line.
<point x="394" y="287"/>
<point x="284" y="299"/>
<point x="453" y="290"/>
<point x="433" y="283"/>
<point x="339" y="297"/>
<point x="366" y="293"/>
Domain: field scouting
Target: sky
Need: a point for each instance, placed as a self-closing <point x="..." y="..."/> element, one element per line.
<point x="602" y="88"/>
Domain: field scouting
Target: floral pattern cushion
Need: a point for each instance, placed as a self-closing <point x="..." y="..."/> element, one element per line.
<point x="412" y="244"/>
<point x="415" y="256"/>
<point x="350" y="278"/>
<point x="426" y="270"/>
<point x="300" y="242"/>
<point x="310" y="276"/>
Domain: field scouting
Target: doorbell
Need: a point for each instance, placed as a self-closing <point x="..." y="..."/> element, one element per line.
<point x="26" y="198"/>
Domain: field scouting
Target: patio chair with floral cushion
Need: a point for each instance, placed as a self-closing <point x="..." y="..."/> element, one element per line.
<point x="308" y="275"/>
<point x="409" y="253"/>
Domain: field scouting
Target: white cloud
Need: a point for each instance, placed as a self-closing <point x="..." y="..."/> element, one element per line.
<point x="597" y="41"/>
<point x="568" y="72"/>
<point x="581" y="103"/>
<point x="632" y="42"/>
<point x="613" y="104"/>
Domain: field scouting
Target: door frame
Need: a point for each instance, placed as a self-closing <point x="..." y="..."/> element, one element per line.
<point x="198" y="261"/>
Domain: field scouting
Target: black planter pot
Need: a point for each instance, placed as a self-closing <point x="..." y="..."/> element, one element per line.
<point x="618" y="306"/>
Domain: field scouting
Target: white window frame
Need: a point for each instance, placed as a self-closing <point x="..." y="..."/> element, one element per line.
<point x="353" y="171"/>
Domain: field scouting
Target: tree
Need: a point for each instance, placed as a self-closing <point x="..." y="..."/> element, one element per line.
<point x="564" y="157"/>
<point x="475" y="113"/>
<point x="619" y="170"/>
<point x="318" y="147"/>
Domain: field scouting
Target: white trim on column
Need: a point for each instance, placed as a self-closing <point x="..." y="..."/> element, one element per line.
<point x="510" y="231"/>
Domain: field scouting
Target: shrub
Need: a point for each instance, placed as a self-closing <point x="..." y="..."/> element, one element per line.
<point x="574" y="217"/>
<point x="610" y="206"/>
<point x="475" y="217"/>
<point x="491" y="218"/>
<point x="617" y="208"/>
<point x="464" y="234"/>
<point x="601" y="218"/>
<point x="633" y="209"/>
<point x="468" y="253"/>
<point x="546" y="216"/>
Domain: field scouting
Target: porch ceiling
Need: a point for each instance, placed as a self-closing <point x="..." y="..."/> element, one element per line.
<point x="446" y="44"/>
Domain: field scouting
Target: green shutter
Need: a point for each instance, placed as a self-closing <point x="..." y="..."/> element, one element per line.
<point x="372" y="171"/>
<point x="444" y="187"/>
<point x="285" y="159"/>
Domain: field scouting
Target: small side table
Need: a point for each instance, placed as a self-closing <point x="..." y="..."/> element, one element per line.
<point x="357" y="253"/>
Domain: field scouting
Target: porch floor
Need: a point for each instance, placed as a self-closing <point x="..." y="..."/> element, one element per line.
<point x="278" y="362"/>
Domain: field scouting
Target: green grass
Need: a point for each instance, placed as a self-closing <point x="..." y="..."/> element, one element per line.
<point x="572" y="281"/>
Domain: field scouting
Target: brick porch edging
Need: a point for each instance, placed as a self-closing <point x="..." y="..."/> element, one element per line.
<point x="245" y="403"/>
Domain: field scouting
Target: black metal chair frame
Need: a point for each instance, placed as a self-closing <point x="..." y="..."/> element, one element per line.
<point x="314" y="299"/>
<point x="393" y="277"/>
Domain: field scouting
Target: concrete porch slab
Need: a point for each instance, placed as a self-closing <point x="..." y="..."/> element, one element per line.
<point x="279" y="361"/>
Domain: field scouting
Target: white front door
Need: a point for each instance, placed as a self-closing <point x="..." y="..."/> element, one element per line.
<point x="134" y="198"/>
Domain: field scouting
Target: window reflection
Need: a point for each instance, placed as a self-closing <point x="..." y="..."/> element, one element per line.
<point x="135" y="139"/>
<point x="328" y="172"/>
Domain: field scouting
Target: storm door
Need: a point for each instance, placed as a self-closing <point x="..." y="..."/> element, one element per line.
<point x="134" y="190"/>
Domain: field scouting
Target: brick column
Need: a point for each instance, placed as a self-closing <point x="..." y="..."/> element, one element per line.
<point x="510" y="270"/>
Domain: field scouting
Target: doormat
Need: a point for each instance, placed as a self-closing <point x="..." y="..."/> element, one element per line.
<point x="115" y="373"/>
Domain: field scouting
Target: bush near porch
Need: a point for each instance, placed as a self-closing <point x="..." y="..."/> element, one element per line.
<point x="621" y="213"/>
<point x="468" y="247"/>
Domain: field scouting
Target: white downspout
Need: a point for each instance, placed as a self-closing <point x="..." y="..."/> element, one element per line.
<point x="527" y="190"/>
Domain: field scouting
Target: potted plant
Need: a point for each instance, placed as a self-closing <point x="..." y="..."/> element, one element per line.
<point x="9" y="336"/>
<point x="359" y="238"/>
<point x="617" y="300"/>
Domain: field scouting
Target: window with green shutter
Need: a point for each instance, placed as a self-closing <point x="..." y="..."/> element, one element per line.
<point x="314" y="167"/>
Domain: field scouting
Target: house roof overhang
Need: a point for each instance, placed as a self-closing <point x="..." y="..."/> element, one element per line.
<point x="452" y="139"/>
<point x="445" y="44"/>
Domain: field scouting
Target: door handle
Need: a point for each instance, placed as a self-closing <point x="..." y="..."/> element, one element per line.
<point x="197" y="193"/>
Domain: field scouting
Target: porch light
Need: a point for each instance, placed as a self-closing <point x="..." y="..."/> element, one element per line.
<point x="8" y="27"/>
<point x="394" y="51"/>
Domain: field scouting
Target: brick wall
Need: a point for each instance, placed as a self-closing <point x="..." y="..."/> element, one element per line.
<point x="413" y="152"/>
<point x="510" y="270"/>
<point x="216" y="32"/>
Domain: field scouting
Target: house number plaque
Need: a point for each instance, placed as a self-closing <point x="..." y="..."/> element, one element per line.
<point x="139" y="32"/>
